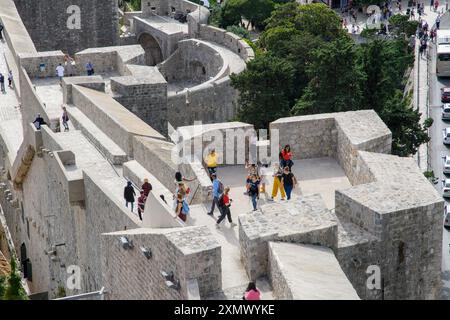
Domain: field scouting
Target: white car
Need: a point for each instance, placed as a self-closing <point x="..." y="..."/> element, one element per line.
<point x="446" y="136"/>
<point x="446" y="166"/>
<point x="447" y="216"/>
<point x="445" y="111"/>
<point x="446" y="188"/>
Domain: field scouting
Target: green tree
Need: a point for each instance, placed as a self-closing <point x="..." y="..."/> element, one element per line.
<point x="316" y="18"/>
<point x="404" y="122"/>
<point x="400" y="24"/>
<point x="336" y="80"/>
<point x="14" y="289"/>
<point x="265" y="89"/>
<point x="2" y="286"/>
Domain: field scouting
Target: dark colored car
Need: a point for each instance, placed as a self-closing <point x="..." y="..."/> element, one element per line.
<point x="445" y="94"/>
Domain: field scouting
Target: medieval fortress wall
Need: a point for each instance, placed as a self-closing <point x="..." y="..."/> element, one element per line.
<point x="61" y="192"/>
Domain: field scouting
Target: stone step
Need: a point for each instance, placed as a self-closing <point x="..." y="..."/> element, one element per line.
<point x="101" y="141"/>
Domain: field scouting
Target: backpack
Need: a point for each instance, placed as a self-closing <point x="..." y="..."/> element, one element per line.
<point x="221" y="188"/>
<point x="185" y="208"/>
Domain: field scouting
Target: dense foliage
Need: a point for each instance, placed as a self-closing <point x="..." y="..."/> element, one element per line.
<point x="310" y="65"/>
<point x="11" y="287"/>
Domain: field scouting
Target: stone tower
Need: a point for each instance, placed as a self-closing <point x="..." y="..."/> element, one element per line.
<point x="70" y="25"/>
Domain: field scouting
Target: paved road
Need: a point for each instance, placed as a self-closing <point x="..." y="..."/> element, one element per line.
<point x="438" y="149"/>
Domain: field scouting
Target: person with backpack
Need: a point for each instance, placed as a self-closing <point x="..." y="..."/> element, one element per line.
<point x="225" y="204"/>
<point x="254" y="191"/>
<point x="65" y="119"/>
<point x="217" y="190"/>
<point x="128" y="194"/>
<point x="288" y="181"/>
<point x="182" y="209"/>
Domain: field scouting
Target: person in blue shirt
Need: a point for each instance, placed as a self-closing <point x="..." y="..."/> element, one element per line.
<point x="217" y="189"/>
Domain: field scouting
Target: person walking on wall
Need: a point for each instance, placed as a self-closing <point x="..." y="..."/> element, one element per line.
<point x="60" y="72"/>
<point x="278" y="173"/>
<point x="1" y="30"/>
<point x="286" y="157"/>
<point x="10" y="79"/>
<point x="182" y="209"/>
<point x="129" y="194"/>
<point x="39" y="122"/>
<point x="217" y="190"/>
<point x="254" y="191"/>
<point x="90" y="69"/>
<point x="65" y="119"/>
<point x="225" y="204"/>
<point x="141" y="204"/>
<point x="252" y="293"/>
<point x="146" y="187"/>
<point x="211" y="162"/>
<point x="288" y="181"/>
<point x="2" y="83"/>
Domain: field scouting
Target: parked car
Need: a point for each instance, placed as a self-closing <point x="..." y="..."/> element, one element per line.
<point x="445" y="94"/>
<point x="446" y="111"/>
<point x="446" y="136"/>
<point x="446" y="167"/>
<point x="446" y="188"/>
<point x="447" y="216"/>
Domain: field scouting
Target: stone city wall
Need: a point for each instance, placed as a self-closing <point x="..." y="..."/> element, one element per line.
<point x="195" y="61"/>
<point x="47" y="22"/>
<point x="227" y="39"/>
<point x="190" y="253"/>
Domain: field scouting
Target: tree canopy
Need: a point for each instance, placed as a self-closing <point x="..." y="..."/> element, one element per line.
<point x="310" y="65"/>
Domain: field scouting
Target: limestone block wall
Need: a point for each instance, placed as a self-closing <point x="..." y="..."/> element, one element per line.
<point x="146" y="97"/>
<point x="303" y="221"/>
<point x="195" y="61"/>
<point x="92" y="82"/>
<point x="102" y="214"/>
<point x="190" y="253"/>
<point x="32" y="103"/>
<point x="32" y="62"/>
<point x="227" y="39"/>
<point x="98" y="19"/>
<point x="209" y="103"/>
<point x="156" y="157"/>
<point x="312" y="136"/>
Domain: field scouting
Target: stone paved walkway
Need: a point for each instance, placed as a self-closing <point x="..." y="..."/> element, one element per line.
<point x="10" y="116"/>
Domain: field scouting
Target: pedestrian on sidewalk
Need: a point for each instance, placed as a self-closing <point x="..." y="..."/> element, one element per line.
<point x="225" y="204"/>
<point x="431" y="4"/>
<point x="432" y="34"/>
<point x="10" y="79"/>
<point x="288" y="181"/>
<point x="436" y="5"/>
<point x="129" y="194"/>
<point x="446" y="5"/>
<point x="423" y="46"/>
<point x="1" y="30"/>
<point x="217" y="190"/>
<point x="438" y="21"/>
<point x="2" y="83"/>
<point x="65" y="119"/>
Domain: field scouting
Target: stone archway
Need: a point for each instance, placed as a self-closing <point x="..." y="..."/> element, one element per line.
<point x="153" y="52"/>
